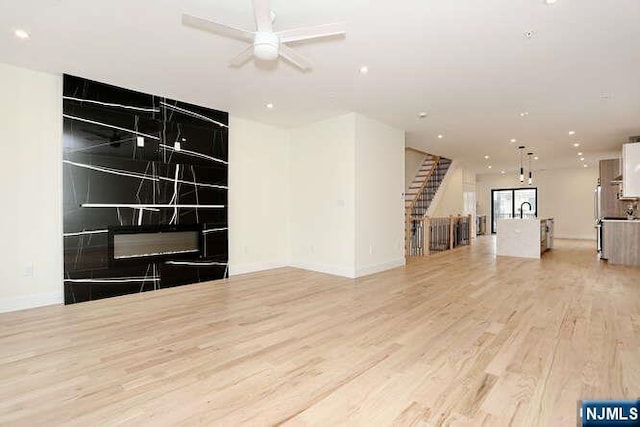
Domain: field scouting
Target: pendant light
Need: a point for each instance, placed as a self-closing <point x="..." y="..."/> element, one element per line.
<point x="521" y="168"/>
<point x="530" y="173"/>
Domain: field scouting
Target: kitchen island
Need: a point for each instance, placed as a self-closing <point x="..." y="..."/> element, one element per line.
<point x="526" y="238"/>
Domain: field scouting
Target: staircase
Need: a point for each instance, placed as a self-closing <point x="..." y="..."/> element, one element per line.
<point x="422" y="191"/>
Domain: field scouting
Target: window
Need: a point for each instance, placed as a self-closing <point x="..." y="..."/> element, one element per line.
<point x="512" y="203"/>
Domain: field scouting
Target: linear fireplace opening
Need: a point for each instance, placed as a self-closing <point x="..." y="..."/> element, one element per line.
<point x="155" y="242"/>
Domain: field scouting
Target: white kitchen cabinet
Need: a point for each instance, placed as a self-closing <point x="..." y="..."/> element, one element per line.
<point x="631" y="170"/>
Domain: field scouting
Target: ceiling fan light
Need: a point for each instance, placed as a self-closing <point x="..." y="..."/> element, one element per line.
<point x="265" y="52"/>
<point x="266" y="46"/>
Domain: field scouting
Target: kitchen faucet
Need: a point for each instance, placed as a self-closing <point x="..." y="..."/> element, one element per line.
<point x="521" y="211"/>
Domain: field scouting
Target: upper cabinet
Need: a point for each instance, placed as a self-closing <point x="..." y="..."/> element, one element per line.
<point x="631" y="170"/>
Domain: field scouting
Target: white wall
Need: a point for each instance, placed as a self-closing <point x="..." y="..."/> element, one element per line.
<point x="380" y="161"/>
<point x="30" y="184"/>
<point x="347" y="179"/>
<point x="322" y="182"/>
<point x="450" y="197"/>
<point x="412" y="161"/>
<point x="258" y="196"/>
<point x="456" y="195"/>
<point x="564" y="194"/>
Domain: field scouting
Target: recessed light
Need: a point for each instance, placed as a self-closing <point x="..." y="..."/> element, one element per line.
<point x="269" y="106"/>
<point x="584" y="166"/>
<point x="549" y="1"/>
<point x="572" y="132"/>
<point x="513" y="140"/>
<point x="440" y="136"/>
<point x="184" y="139"/>
<point x="489" y="166"/>
<point x="486" y="157"/>
<point x="582" y="159"/>
<point x="364" y="69"/>
<point x="536" y="158"/>
<point x="524" y="114"/>
<point x="575" y="144"/>
<point x="422" y="115"/>
<point x="21" y="34"/>
<point x="580" y="153"/>
<point x="502" y="172"/>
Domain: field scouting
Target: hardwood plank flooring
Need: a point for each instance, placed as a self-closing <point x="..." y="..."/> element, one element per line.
<point x="460" y="338"/>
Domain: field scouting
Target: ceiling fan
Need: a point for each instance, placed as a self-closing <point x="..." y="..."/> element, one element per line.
<point x="266" y="44"/>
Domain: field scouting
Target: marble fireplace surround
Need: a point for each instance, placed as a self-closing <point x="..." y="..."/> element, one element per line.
<point x="139" y="163"/>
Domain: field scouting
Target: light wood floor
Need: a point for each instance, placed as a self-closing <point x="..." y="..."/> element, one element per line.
<point x="457" y="339"/>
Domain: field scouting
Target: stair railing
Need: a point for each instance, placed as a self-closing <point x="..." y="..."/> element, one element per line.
<point x="410" y="227"/>
<point x="433" y="235"/>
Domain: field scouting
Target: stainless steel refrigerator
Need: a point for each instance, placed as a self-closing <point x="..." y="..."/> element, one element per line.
<point x="597" y="217"/>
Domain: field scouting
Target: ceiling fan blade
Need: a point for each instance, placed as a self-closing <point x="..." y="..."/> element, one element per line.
<point x="317" y="31"/>
<point x="262" y="12"/>
<point x="216" y="28"/>
<point x="242" y="57"/>
<point x="295" y="58"/>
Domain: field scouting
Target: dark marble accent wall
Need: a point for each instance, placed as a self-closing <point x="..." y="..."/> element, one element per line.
<point x="136" y="161"/>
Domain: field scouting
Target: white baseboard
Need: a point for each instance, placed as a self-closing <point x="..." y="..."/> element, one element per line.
<point x="321" y="268"/>
<point x="235" y="270"/>
<point x="576" y="236"/>
<point x="377" y="268"/>
<point x="328" y="269"/>
<point x="30" y="301"/>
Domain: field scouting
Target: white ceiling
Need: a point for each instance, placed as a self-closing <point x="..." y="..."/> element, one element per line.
<point x="466" y="63"/>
